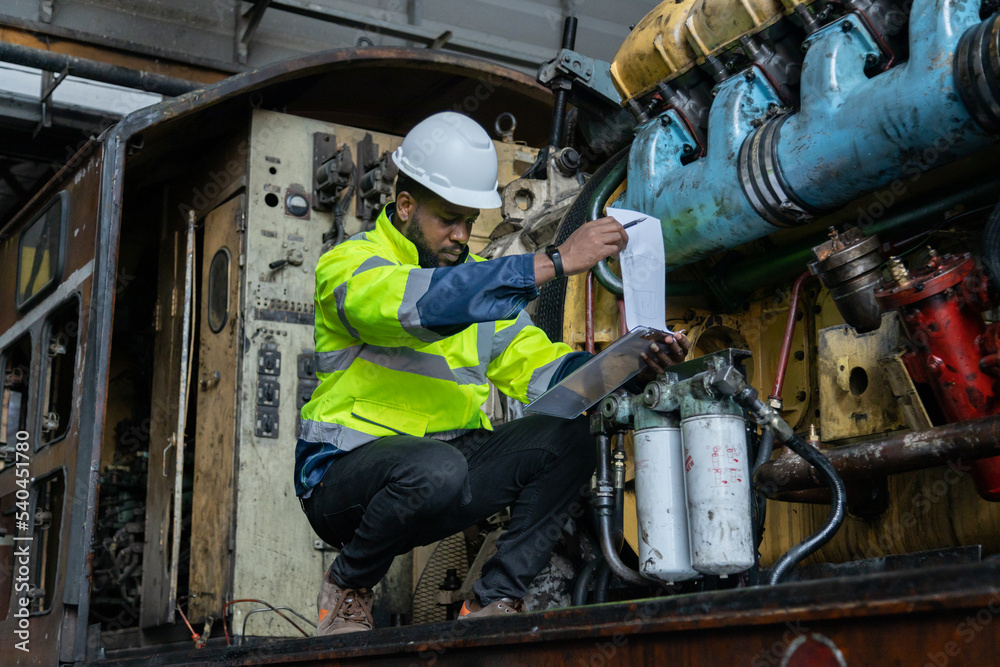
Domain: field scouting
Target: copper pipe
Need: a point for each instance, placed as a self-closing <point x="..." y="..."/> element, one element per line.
<point x="589" y="313"/>
<point x="622" y="324"/>
<point x="897" y="453"/>
<point x="786" y="342"/>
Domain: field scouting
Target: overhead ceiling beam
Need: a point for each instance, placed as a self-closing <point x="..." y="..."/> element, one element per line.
<point x="95" y="71"/>
<point x="469" y="42"/>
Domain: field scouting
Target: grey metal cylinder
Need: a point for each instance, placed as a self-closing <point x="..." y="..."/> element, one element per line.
<point x="849" y="266"/>
<point x="661" y="505"/>
<point x="717" y="476"/>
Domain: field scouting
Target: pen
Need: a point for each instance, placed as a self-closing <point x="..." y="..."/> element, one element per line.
<point x="633" y="223"/>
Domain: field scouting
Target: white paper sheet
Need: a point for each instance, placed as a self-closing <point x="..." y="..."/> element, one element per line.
<point x="642" y="270"/>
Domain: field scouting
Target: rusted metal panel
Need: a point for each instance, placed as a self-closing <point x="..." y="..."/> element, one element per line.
<point x="946" y="614"/>
<point x="81" y="181"/>
<point x="855" y="396"/>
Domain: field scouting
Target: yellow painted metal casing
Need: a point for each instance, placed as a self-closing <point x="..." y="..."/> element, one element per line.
<point x="678" y="34"/>
<point x="656" y="50"/>
<point x="712" y="25"/>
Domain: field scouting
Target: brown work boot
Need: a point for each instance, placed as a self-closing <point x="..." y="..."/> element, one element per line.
<point x="343" y="610"/>
<point x="472" y="608"/>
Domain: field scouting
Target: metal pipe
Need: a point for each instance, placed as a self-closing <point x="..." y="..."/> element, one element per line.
<point x="753" y="272"/>
<point x="602" y="271"/>
<point x="786" y="341"/>
<point x="187" y="339"/>
<point x="604" y="501"/>
<point x="608" y="279"/>
<point x="897" y="453"/>
<point x="561" y="94"/>
<point x="95" y="71"/>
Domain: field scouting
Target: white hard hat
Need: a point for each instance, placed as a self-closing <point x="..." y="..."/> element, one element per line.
<point x="453" y="156"/>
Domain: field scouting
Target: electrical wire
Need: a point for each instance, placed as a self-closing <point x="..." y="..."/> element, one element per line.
<point x="195" y="637"/>
<point x="927" y="233"/>
<point x="269" y="606"/>
<point x="246" y="618"/>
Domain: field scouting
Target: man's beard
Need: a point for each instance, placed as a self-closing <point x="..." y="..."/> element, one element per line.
<point x="426" y="258"/>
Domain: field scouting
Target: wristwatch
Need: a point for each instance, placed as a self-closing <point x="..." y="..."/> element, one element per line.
<point x="553" y="252"/>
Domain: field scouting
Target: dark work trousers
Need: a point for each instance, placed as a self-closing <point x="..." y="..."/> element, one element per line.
<point x="400" y="492"/>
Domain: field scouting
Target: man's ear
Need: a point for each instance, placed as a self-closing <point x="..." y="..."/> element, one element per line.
<point x="405" y="206"/>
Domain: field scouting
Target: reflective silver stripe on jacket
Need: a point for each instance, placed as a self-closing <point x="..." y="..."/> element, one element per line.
<point x="342" y="437"/>
<point x="336" y="360"/>
<point x="434" y="366"/>
<point x="340" y="296"/>
<point x="408" y="360"/>
<point x="417" y="283"/>
<point x="539" y="382"/>
<point x="372" y="262"/>
<point x="503" y="338"/>
<point x="340" y="293"/>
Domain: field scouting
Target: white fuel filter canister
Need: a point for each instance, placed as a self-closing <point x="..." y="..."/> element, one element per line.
<point x="661" y="505"/>
<point x="717" y="477"/>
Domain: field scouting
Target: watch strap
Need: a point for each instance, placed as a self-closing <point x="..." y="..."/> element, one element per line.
<point x="553" y="252"/>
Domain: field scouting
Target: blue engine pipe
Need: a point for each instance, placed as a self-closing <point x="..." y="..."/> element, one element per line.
<point x="852" y="135"/>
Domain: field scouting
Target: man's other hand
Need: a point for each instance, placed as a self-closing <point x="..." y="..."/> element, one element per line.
<point x="663" y="354"/>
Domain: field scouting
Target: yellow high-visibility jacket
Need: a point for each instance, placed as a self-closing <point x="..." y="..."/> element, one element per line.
<point x="406" y="350"/>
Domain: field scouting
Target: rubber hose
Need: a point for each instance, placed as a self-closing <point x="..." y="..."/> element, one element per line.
<point x="583" y="581"/>
<point x="838" y="505"/>
<point x="764" y="450"/>
<point x="619" y="519"/>
<point x="603" y="583"/>
<point x="606" y="537"/>
<point x="991" y="247"/>
<point x="605" y="504"/>
<point x="602" y="271"/>
<point x="731" y="383"/>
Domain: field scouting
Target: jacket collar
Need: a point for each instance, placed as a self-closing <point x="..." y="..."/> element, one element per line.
<point x="401" y="247"/>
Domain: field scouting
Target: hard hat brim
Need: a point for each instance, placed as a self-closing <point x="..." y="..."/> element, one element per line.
<point x="481" y="199"/>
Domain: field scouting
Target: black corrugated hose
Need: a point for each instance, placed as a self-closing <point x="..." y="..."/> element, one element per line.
<point x="549" y="312"/>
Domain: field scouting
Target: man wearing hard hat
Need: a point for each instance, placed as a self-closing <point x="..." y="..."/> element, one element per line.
<point x="395" y="449"/>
